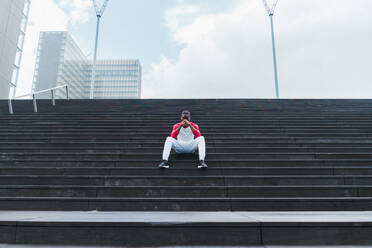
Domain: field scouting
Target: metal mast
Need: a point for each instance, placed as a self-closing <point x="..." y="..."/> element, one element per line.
<point x="99" y="13"/>
<point x="270" y="11"/>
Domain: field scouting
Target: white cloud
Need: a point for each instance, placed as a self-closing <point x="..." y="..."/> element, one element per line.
<point x="79" y="11"/>
<point x="323" y="51"/>
<point x="180" y="15"/>
<point x="47" y="15"/>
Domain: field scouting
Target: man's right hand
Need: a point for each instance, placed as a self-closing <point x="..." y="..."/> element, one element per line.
<point x="185" y="123"/>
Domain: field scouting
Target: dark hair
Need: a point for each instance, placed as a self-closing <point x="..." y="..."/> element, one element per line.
<point x="186" y="112"/>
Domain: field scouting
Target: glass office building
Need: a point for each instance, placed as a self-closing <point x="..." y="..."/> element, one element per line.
<point x="13" y="23"/>
<point x="60" y="61"/>
<point x="117" y="79"/>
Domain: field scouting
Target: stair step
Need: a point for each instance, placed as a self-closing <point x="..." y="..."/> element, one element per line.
<point x="121" y="155"/>
<point x="123" y="163"/>
<point x="166" y="180"/>
<point x="186" y="204"/>
<point x="249" y="171"/>
<point x="134" y="229"/>
<point x="205" y="192"/>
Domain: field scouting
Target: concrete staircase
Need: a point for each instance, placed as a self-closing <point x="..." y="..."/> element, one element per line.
<point x="264" y="155"/>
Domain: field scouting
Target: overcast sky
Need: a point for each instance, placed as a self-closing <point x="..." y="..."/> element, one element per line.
<point x="222" y="48"/>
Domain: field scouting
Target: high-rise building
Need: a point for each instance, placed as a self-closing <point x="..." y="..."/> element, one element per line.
<point x="117" y="79"/>
<point x="60" y="61"/>
<point x="13" y="23"/>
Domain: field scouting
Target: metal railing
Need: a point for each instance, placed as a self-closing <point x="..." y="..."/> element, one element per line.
<point x="52" y="90"/>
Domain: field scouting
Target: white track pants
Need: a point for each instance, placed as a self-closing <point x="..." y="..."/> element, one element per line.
<point x="181" y="147"/>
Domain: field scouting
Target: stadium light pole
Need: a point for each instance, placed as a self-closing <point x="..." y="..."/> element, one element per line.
<point x="270" y="11"/>
<point x="99" y="13"/>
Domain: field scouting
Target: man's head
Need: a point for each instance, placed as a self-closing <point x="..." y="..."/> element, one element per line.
<point x="186" y="115"/>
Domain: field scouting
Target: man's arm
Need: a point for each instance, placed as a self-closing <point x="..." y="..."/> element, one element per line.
<point x="195" y="129"/>
<point x="176" y="130"/>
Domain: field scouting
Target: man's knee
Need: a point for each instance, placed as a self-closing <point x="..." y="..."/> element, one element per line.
<point x="170" y="142"/>
<point x="170" y="139"/>
<point x="200" y="139"/>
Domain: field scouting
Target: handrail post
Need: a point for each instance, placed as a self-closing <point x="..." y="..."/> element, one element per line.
<point x="33" y="94"/>
<point x="35" y="104"/>
<point x="67" y="96"/>
<point x="53" y="100"/>
<point x="10" y="106"/>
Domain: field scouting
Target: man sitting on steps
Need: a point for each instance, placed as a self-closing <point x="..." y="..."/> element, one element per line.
<point x="185" y="138"/>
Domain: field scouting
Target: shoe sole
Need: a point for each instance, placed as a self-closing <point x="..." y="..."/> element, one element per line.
<point x="202" y="167"/>
<point x="163" y="167"/>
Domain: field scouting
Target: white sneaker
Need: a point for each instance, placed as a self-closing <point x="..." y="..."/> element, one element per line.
<point x="164" y="165"/>
<point x="202" y="165"/>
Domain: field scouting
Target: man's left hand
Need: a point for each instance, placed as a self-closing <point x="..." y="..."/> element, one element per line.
<point x="187" y="123"/>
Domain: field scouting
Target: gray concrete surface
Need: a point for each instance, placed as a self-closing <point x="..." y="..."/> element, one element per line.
<point x="38" y="246"/>
<point x="186" y="217"/>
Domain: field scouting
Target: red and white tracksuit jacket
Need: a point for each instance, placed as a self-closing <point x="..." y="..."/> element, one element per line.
<point x="185" y="141"/>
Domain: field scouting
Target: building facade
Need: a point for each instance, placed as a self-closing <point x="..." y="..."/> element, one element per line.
<point x="117" y="79"/>
<point x="60" y="61"/>
<point x="13" y="23"/>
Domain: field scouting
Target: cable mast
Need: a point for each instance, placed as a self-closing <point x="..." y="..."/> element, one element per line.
<point x="270" y="11"/>
<point x="99" y="13"/>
